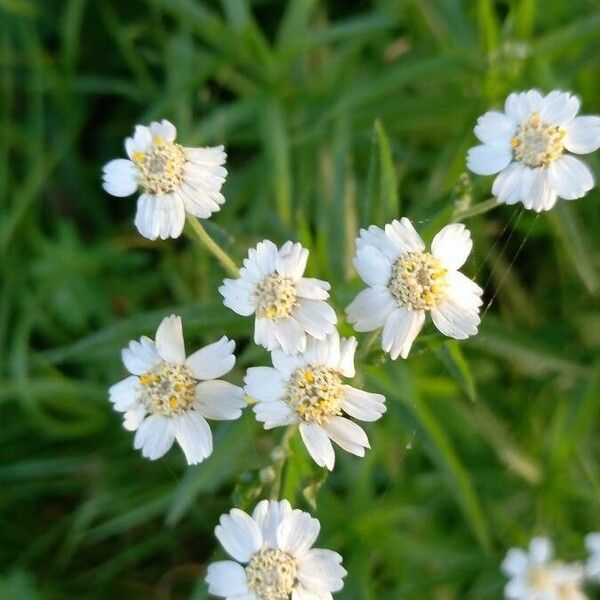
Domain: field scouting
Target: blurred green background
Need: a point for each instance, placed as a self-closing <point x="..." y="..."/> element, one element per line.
<point x="334" y="115"/>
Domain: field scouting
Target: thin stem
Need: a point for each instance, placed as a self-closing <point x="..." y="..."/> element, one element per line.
<point x="202" y="236"/>
<point x="477" y="209"/>
<point x="284" y="449"/>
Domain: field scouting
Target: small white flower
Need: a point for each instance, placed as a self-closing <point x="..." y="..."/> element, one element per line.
<point x="592" y="543"/>
<point x="273" y="556"/>
<point x="405" y="282"/>
<point x="527" y="143"/>
<point x="288" y="307"/>
<point x="169" y="396"/>
<point x="174" y="179"/>
<point x="308" y="389"/>
<point x="534" y="576"/>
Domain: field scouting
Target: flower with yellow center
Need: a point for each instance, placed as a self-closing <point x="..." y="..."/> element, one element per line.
<point x="531" y="145"/>
<point x="308" y="389"/>
<point x="273" y="557"/>
<point x="288" y="307"/>
<point x="174" y="179"/>
<point x="168" y="397"/>
<point x="406" y="282"/>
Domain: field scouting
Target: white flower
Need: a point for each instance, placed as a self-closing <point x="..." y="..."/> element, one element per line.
<point x="288" y="307"/>
<point x="405" y="282"/>
<point x="175" y="179"/>
<point x="592" y="543"/>
<point x="527" y="143"/>
<point x="534" y="577"/>
<point x="273" y="556"/>
<point x="169" y="396"/>
<point x="308" y="389"/>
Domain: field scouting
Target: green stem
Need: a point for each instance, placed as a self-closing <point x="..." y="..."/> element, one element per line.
<point x="477" y="209"/>
<point x="202" y="236"/>
<point x="284" y="448"/>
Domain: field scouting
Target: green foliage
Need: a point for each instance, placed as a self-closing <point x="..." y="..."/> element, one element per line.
<point x="334" y="115"/>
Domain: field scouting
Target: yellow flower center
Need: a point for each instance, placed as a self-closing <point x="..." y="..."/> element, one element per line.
<point x="315" y="393"/>
<point x="168" y="389"/>
<point x="537" y="144"/>
<point x="271" y="574"/>
<point x="539" y="578"/>
<point x="418" y="280"/>
<point x="160" y="168"/>
<point x="275" y="297"/>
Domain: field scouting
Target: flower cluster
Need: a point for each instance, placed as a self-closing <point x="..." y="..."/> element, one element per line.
<point x="169" y="396"/>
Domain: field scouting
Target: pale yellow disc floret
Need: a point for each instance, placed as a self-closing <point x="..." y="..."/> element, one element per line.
<point x="168" y="390"/>
<point x="160" y="168"/>
<point x="275" y="297"/>
<point x="539" y="578"/>
<point x="271" y="574"/>
<point x="537" y="144"/>
<point x="418" y="280"/>
<point x="315" y="393"/>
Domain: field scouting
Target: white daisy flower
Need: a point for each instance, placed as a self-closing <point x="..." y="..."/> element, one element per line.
<point x="174" y="179"/>
<point x="527" y="145"/>
<point x="534" y="576"/>
<point x="288" y="307"/>
<point x="405" y="283"/>
<point x="273" y="556"/>
<point x="592" y="568"/>
<point x="308" y="389"/>
<point x="169" y="397"/>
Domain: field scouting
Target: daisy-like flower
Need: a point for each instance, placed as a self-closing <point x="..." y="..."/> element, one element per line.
<point x="169" y="397"/>
<point x="405" y="282"/>
<point x="288" y="307"/>
<point x="174" y="179"/>
<point x="308" y="389"/>
<point x="534" y="576"/>
<point x="592" y="567"/>
<point x="528" y="146"/>
<point x="273" y="556"/>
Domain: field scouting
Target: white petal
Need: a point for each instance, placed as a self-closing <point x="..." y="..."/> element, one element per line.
<point x="570" y="177"/>
<point x="400" y="330"/>
<point x="140" y="357"/>
<point x="515" y="563"/>
<point x="226" y="578"/>
<point x="290" y="335"/>
<point x="455" y="320"/>
<point x="495" y="128"/>
<point x="592" y="542"/>
<point x="347" y="351"/>
<point x="318" y="445"/>
<point x="147" y="216"/>
<point x="375" y="236"/>
<point x="348" y="435"/>
<point x="207" y="156"/>
<point x="404" y="236"/>
<point x="169" y="340"/>
<point x="291" y="260"/>
<point x="538" y="193"/>
<point x="237" y="296"/>
<point x="274" y="414"/>
<point x="583" y="135"/>
<point x="154" y="436"/>
<point x="321" y="570"/>
<point x="488" y="159"/>
<point x="362" y="405"/>
<point x="194" y="436"/>
<point x="316" y="317"/>
<point x="219" y="400"/>
<point x="297" y="532"/>
<point x="124" y="394"/>
<point x="264" y="383"/>
<point x="239" y="535"/>
<point x="142" y="138"/>
<point x="170" y="215"/>
<point x="535" y="100"/>
<point x="372" y="266"/>
<point x="463" y="291"/>
<point x="517" y="107"/>
<point x="508" y="185"/>
<point x="120" y="177"/>
<point x="301" y="593"/>
<point x="323" y="352"/>
<point x="286" y="364"/>
<point x="559" y="108"/>
<point x="314" y="289"/>
<point x="452" y="245"/>
<point x="214" y="360"/>
<point x="264" y="334"/>
<point x="540" y="550"/>
<point x="370" y="309"/>
<point x="134" y="417"/>
<point x="264" y="256"/>
<point x="165" y="129"/>
<point x="268" y="514"/>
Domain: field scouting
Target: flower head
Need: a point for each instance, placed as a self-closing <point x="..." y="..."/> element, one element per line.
<point x="592" y="567"/>
<point x="528" y="145"/>
<point x="308" y="389"/>
<point x="288" y="307"/>
<point x="405" y="282"/>
<point x="273" y="556"/>
<point x="169" y="396"/>
<point x="174" y="179"/>
<point x="534" y="576"/>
